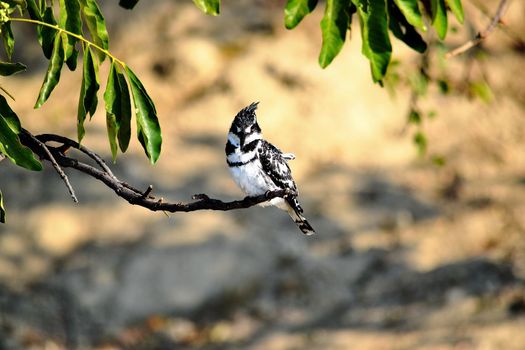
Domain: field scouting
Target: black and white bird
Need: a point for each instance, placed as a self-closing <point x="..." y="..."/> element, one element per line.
<point x="257" y="166"/>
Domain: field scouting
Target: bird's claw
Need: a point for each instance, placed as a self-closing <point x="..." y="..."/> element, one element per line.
<point x="289" y="193"/>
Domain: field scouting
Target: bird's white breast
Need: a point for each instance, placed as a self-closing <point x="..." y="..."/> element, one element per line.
<point x="251" y="178"/>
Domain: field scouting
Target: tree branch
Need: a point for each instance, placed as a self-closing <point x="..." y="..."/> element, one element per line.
<point x="56" y="166"/>
<point x="502" y="8"/>
<point x="129" y="193"/>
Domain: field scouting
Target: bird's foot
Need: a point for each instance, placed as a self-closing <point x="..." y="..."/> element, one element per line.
<point x="268" y="194"/>
<point x="290" y="193"/>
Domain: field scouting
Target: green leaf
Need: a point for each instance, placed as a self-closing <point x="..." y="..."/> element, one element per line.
<point x="46" y="35"/>
<point x="403" y="30"/>
<point x="34" y="10"/>
<point x="14" y="3"/>
<point x="414" y="117"/>
<point x="439" y="18"/>
<point x="8" y="68"/>
<point x="438" y="160"/>
<point x="112" y="127"/>
<point x="444" y="86"/>
<point x="10" y="144"/>
<point x="96" y="25"/>
<point x="210" y="7"/>
<point x="10" y="6"/>
<point x="91" y="82"/>
<point x="376" y="44"/>
<point x="410" y="10"/>
<point x="118" y="110"/>
<point x="16" y="152"/>
<point x="10" y="117"/>
<point x="70" y="21"/>
<point x="457" y="9"/>
<point x="296" y="10"/>
<point x="70" y="16"/>
<point x="333" y="26"/>
<point x="88" y="101"/>
<point x="481" y="90"/>
<point x="124" y="118"/>
<point x="148" y="128"/>
<point x="419" y="82"/>
<point x="112" y="101"/>
<point x="128" y="4"/>
<point x="392" y="78"/>
<point x="351" y="10"/>
<point x="72" y="60"/>
<point x="8" y="39"/>
<point x="53" y="72"/>
<point x="2" y="209"/>
<point x="421" y="143"/>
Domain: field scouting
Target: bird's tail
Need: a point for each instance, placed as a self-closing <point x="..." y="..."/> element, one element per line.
<point x="296" y="212"/>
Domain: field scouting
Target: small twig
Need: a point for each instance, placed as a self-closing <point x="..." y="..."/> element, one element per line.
<point x="55" y="165"/>
<point x="77" y="36"/>
<point x="507" y="30"/>
<point x="76" y="145"/>
<point x="147" y="192"/>
<point x="502" y="7"/>
<point x="128" y="186"/>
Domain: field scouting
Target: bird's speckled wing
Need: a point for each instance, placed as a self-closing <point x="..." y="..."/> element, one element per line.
<point x="275" y="166"/>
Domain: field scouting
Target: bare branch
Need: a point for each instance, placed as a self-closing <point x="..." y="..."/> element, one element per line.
<point x="70" y="143"/>
<point x="56" y="166"/>
<point x="502" y="8"/>
<point x="129" y="193"/>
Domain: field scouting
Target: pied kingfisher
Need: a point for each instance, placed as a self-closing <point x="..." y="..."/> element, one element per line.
<point x="257" y="166"/>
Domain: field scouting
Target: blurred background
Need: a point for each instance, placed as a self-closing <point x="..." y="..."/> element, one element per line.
<point x="411" y="252"/>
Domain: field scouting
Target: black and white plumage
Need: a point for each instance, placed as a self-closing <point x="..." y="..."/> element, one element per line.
<point x="257" y="166"/>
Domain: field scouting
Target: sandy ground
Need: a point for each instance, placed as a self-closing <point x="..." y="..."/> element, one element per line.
<point x="408" y="255"/>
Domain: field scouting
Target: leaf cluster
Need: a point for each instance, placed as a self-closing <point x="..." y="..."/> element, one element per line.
<point x="378" y="19"/>
<point x="77" y="28"/>
<point x="62" y="37"/>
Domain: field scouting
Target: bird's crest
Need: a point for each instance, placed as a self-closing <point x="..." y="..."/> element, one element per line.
<point x="246" y="116"/>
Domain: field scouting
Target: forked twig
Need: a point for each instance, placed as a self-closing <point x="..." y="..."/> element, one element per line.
<point x="55" y="165"/>
<point x="502" y="8"/>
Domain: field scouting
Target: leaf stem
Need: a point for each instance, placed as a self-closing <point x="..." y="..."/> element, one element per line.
<point x="7" y="92"/>
<point x="79" y="37"/>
